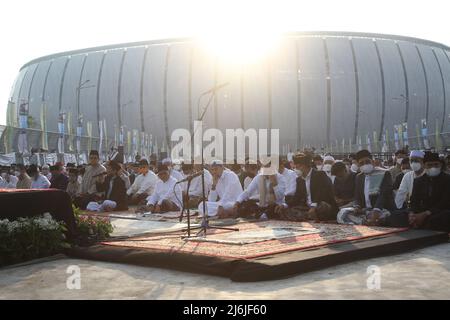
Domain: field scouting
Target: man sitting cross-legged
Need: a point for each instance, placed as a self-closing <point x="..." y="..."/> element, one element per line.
<point x="269" y="187"/>
<point x="374" y="196"/>
<point x="167" y="195"/>
<point x="225" y="190"/>
<point x="196" y="185"/>
<point x="143" y="185"/>
<point x="314" y="196"/>
<point x="430" y="200"/>
<point x="115" y="198"/>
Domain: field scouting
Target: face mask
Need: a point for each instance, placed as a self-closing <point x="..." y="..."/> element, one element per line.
<point x="319" y="167"/>
<point x="177" y="167"/>
<point x="17" y="173"/>
<point x="298" y="172"/>
<point x="354" y="167"/>
<point x="326" y="167"/>
<point x="406" y="171"/>
<point x="416" y="166"/>
<point x="399" y="161"/>
<point x="367" y="168"/>
<point x="433" y="172"/>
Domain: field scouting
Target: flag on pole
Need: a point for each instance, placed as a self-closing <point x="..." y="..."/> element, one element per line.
<point x="424" y="131"/>
<point x="437" y="136"/>
<point x="70" y="131"/>
<point x="405" y="133"/>
<point x="396" y="143"/>
<point x="44" y="137"/>
<point x="100" y="143"/>
<point x="128" y="142"/>
<point x="89" y="134"/>
<point x="105" y="134"/>
<point x="419" y="144"/>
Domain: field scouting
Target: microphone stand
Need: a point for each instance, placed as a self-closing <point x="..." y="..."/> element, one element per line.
<point x="205" y="220"/>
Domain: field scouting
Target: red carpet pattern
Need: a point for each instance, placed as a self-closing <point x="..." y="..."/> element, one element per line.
<point x="329" y="234"/>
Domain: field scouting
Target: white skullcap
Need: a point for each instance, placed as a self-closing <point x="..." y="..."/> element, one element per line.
<point x="416" y="154"/>
<point x="216" y="162"/>
<point x="328" y="158"/>
<point x="45" y="166"/>
<point x="166" y="161"/>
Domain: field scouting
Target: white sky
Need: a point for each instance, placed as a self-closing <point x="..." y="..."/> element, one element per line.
<point x="30" y="29"/>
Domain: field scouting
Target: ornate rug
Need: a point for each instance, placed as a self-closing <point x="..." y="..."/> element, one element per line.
<point x="218" y="241"/>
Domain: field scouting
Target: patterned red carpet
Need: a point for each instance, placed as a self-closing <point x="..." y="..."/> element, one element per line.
<point x="325" y="234"/>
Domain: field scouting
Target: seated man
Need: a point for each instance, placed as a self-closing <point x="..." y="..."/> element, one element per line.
<point x="167" y="195"/>
<point x="405" y="167"/>
<point x="344" y="184"/>
<point x="38" y="180"/>
<point x="328" y="162"/>
<point x="269" y="187"/>
<point x="73" y="185"/>
<point x="113" y="186"/>
<point x="373" y="194"/>
<point x="88" y="190"/>
<point x="58" y="180"/>
<point x="24" y="180"/>
<point x="396" y="169"/>
<point x="173" y="172"/>
<point x="195" y="185"/>
<point x="290" y="178"/>
<point x="143" y="185"/>
<point x="430" y="200"/>
<point x="406" y="185"/>
<point x="8" y="180"/>
<point x="314" y="197"/>
<point x="224" y="193"/>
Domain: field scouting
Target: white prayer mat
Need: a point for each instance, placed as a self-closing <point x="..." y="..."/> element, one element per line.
<point x="257" y="235"/>
<point x="129" y="227"/>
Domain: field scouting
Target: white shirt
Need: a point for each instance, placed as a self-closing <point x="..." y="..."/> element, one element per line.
<point x="253" y="195"/>
<point x="40" y="183"/>
<point x="406" y="188"/>
<point x="290" y="178"/>
<point x="196" y="188"/>
<point x="228" y="188"/>
<point x="8" y="185"/>
<point x="253" y="188"/>
<point x="165" y="191"/>
<point x="176" y="174"/>
<point x="144" y="184"/>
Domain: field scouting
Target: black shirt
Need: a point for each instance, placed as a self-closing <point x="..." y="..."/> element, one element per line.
<point x="345" y="188"/>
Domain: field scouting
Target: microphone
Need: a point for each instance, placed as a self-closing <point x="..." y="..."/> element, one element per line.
<point x="190" y="177"/>
<point x="218" y="87"/>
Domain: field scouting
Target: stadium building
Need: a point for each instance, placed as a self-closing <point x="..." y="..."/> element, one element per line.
<point x="335" y="91"/>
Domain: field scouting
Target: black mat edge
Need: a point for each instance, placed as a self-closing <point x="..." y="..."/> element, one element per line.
<point x="277" y="266"/>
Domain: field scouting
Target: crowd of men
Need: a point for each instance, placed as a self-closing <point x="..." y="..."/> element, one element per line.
<point x="411" y="189"/>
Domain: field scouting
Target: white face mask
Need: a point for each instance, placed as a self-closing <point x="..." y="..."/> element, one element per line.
<point x="399" y="161"/>
<point x="416" y="166"/>
<point x="433" y="172"/>
<point x="298" y="172"/>
<point x="17" y="173"/>
<point x="354" y="167"/>
<point x="406" y="171"/>
<point x="326" y="167"/>
<point x="319" y="167"/>
<point x="367" y="168"/>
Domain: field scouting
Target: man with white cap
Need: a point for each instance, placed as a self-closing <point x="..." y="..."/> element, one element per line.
<point x="46" y="172"/>
<point x="328" y="162"/>
<point x="173" y="173"/>
<point x="270" y="188"/>
<point x="406" y="186"/>
<point x="224" y="193"/>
